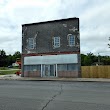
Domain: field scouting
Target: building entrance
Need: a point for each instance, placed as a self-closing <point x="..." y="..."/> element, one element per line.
<point x="49" y="70"/>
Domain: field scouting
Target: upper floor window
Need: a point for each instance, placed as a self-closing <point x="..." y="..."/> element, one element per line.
<point x="31" y="43"/>
<point x="56" y="42"/>
<point x="71" y="40"/>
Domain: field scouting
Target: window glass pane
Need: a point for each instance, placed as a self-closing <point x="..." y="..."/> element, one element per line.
<point x="73" y="67"/>
<point x="56" y="41"/>
<point x="39" y="67"/>
<point x="62" y="67"/>
<point x="26" y="68"/>
<point x="51" y="70"/>
<point x="71" y="40"/>
<point x="32" y="68"/>
<point x="31" y="43"/>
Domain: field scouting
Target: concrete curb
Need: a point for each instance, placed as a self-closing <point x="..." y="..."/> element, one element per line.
<point x="18" y="78"/>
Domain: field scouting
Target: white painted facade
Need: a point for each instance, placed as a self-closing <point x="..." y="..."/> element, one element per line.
<point x="51" y="59"/>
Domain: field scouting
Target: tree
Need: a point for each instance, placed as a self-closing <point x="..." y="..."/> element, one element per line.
<point x="17" y="54"/>
<point x="82" y="59"/>
<point x="106" y="60"/>
<point x="2" y="58"/>
<point x="87" y="61"/>
<point x="9" y="60"/>
<point x="6" y="60"/>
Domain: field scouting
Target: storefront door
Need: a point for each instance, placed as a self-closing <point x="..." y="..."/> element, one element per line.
<point x="49" y="70"/>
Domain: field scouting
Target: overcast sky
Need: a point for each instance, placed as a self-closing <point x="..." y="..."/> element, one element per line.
<point x="94" y="18"/>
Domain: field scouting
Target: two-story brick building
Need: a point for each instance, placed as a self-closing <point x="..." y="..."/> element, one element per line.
<point x="51" y="49"/>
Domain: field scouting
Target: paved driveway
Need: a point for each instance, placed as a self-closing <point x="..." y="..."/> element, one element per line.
<point x="53" y="95"/>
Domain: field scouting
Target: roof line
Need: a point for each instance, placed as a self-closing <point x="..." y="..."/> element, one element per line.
<point x="50" y="21"/>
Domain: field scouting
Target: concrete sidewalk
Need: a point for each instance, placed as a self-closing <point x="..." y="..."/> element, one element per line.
<point x="15" y="77"/>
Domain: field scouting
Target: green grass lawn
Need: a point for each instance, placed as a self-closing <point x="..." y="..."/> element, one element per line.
<point x="3" y="68"/>
<point x="6" y="68"/>
<point x="8" y="71"/>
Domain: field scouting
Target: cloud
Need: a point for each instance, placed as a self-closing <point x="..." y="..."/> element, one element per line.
<point x="94" y="20"/>
<point x="95" y="27"/>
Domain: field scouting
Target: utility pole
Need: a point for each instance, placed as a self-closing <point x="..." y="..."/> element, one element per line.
<point x="109" y="43"/>
<point x="98" y="59"/>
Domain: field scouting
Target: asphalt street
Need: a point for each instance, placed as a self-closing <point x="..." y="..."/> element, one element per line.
<point x="54" y="95"/>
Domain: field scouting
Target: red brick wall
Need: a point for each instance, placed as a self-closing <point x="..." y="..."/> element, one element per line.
<point x="32" y="74"/>
<point x="61" y="74"/>
<point x="68" y="74"/>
